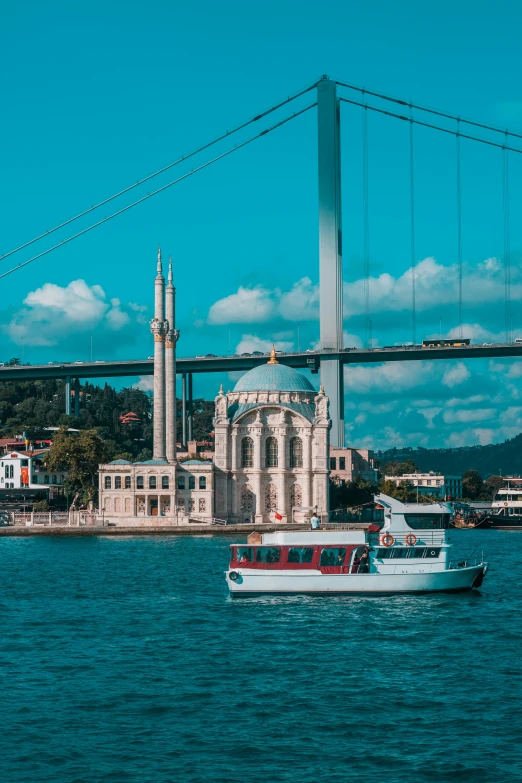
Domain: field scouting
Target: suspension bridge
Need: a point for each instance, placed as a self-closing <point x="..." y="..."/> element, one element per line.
<point x="331" y="357"/>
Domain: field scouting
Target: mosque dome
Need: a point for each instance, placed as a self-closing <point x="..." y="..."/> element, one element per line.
<point x="273" y="377"/>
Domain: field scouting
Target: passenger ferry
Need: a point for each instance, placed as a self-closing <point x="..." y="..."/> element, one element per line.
<point x="506" y="508"/>
<point x="407" y="553"/>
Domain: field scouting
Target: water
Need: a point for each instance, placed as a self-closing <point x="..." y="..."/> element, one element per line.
<point x="125" y="660"/>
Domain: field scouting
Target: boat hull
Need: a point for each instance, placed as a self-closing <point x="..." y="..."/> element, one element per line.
<point x="511" y="522"/>
<point x="251" y="582"/>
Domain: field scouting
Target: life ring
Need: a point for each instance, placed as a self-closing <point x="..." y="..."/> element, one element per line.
<point x="505" y="504"/>
<point x="387" y="540"/>
<point x="234" y="576"/>
<point x="411" y="539"/>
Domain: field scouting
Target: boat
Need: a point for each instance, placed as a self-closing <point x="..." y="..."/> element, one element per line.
<point x="407" y="552"/>
<point x="506" y="507"/>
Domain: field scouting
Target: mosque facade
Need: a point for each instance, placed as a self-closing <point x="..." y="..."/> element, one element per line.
<point x="271" y="460"/>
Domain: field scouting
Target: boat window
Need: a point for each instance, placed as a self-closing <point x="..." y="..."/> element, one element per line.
<point x="400" y="552"/>
<point x="383" y="554"/>
<point x="267" y="554"/>
<point x="300" y="554"/>
<point x="332" y="556"/>
<point x="423" y="551"/>
<point x="244" y="554"/>
<point x="427" y="521"/>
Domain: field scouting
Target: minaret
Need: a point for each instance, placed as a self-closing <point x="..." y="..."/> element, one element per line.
<point x="170" y="368"/>
<point x="158" y="327"/>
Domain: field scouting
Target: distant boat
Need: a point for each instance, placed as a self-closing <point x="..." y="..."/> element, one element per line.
<point x="506" y="508"/>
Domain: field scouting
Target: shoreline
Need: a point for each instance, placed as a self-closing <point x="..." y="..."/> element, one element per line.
<point x="19" y="531"/>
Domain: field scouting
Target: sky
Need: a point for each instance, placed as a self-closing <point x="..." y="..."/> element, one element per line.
<point x="97" y="97"/>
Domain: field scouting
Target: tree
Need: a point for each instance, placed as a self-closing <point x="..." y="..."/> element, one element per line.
<point x="79" y="454"/>
<point x="472" y="485"/>
<point x="345" y="494"/>
<point x="491" y="485"/>
<point x="396" y="468"/>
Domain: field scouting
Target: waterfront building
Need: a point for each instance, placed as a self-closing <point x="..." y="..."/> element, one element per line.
<point x="446" y="487"/>
<point x="349" y="464"/>
<point x="271" y="458"/>
<point x="27" y="470"/>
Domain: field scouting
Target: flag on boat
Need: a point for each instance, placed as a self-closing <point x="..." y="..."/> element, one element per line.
<point x="278" y="516"/>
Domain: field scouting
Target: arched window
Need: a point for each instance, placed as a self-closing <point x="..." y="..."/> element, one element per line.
<point x="107" y="482"/>
<point x="247" y="453"/>
<point x="152" y="482"/>
<point x="127" y="482"/>
<point x="117" y="482"/>
<point x="181" y="482"/>
<point x="107" y="504"/>
<point x="296" y="453"/>
<point x="139" y="482"/>
<point x="117" y="504"/>
<point x="164" y="482"/>
<point x="270" y="497"/>
<point x="192" y="482"/>
<point x="247" y="498"/>
<point x="202" y="482"/>
<point x="127" y="505"/>
<point x="271" y="452"/>
<point x="296" y="496"/>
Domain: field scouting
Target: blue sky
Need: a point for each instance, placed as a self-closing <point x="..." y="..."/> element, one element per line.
<point x="95" y="98"/>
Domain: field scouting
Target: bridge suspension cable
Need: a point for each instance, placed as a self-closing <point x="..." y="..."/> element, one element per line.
<point x="412" y="235"/>
<point x="159" y="190"/>
<point x="182" y="159"/>
<point x="450" y="131"/>
<point x="459" y="228"/>
<point x="366" y="227"/>
<point x="426" y="109"/>
<point x="507" y="252"/>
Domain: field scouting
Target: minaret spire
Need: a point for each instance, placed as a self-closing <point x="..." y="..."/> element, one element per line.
<point x="170" y="368"/>
<point x="158" y="327"/>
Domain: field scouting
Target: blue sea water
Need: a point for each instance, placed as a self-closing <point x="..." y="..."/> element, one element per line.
<point x="124" y="660"/>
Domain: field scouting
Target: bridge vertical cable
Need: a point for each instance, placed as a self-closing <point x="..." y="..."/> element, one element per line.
<point x="507" y="252"/>
<point x="366" y="227"/>
<point x="459" y="226"/>
<point x="412" y="234"/>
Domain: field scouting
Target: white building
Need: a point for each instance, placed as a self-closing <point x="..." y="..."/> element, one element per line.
<point x="271" y="446"/>
<point x="448" y="487"/>
<point x="22" y="470"/>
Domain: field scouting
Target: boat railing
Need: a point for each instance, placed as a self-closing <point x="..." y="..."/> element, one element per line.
<point x="416" y="537"/>
<point x="465" y="562"/>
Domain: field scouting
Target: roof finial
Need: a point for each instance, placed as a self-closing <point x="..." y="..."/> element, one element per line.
<point x="170" y="269"/>
<point x="273" y="359"/>
<point x="159" y="259"/>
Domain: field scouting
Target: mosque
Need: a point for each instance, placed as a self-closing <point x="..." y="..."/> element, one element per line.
<point x="271" y="459"/>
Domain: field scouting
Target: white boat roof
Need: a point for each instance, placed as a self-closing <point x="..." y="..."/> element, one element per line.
<point x="398" y="507"/>
<point x="313" y="537"/>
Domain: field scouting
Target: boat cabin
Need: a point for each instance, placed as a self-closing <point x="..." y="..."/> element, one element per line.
<point x="330" y="559"/>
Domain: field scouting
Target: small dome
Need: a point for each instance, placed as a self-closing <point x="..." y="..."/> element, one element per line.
<point x="120" y="462"/>
<point x="273" y="377"/>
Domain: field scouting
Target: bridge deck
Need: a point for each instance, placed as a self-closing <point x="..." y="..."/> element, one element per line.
<point x="112" y="369"/>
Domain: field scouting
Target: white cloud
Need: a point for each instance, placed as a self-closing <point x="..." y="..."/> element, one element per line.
<point x="248" y="305"/>
<point x="455" y="375"/>
<point x="54" y="314"/>
<point x="251" y="342"/>
<point x="473" y="414"/>
<point x="436" y="286"/>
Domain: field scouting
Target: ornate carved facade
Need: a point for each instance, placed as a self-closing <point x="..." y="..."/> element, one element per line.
<point x="272" y="445"/>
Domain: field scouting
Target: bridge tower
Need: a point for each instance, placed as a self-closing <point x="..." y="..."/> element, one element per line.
<point x="330" y="253"/>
